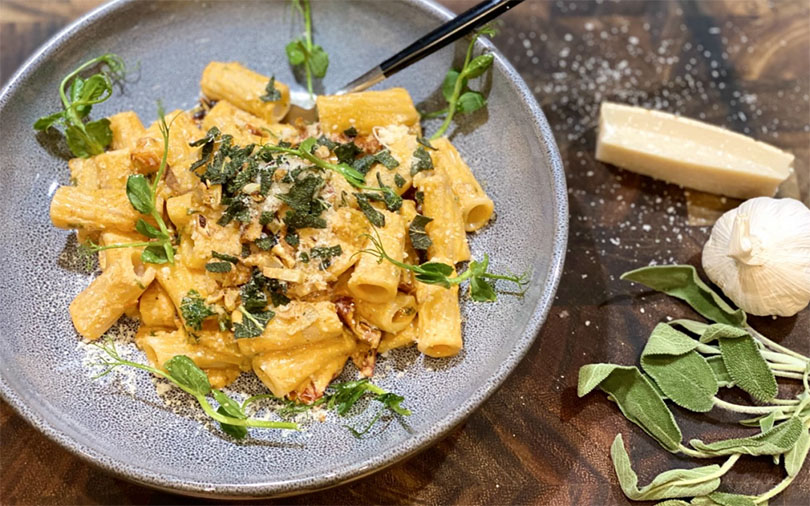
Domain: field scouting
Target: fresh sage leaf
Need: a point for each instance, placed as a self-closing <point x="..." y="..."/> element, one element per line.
<point x="796" y="456"/>
<point x="726" y="499"/>
<point x="683" y="282"/>
<point x="672" y="502"/>
<point x="186" y="372"/>
<point x="636" y="397"/>
<point x="692" y="326"/>
<point x="776" y="441"/>
<point x="720" y="372"/>
<point x="682" y="373"/>
<point x="721" y="331"/>
<point x="667" y="485"/>
<point x="767" y="423"/>
<point x="747" y="368"/>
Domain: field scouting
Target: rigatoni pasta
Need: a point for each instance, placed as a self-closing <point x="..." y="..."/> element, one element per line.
<point x="280" y="249"/>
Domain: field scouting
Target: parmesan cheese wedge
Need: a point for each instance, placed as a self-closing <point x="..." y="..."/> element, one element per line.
<point x="689" y="153"/>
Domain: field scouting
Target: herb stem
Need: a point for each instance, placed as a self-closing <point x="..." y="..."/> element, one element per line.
<point x="790" y="375"/>
<point x="773" y="356"/>
<point x="244" y="422"/>
<point x="308" y="28"/>
<point x="774" y="491"/>
<point x="694" y="453"/>
<point x="775" y="346"/>
<point x="786" y="367"/>
<point x="206" y="406"/>
<point x="707" y="349"/>
<point x="254" y="398"/>
<point x="76" y="72"/>
<point x="452" y="103"/>
<point x="435" y="114"/>
<point x="751" y="410"/>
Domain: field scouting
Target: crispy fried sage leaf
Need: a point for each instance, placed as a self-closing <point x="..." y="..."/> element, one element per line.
<point x="681" y="372"/>
<point x="776" y="441"/>
<point x="682" y="282"/>
<point x="636" y="397"/>
<point x="667" y="485"/>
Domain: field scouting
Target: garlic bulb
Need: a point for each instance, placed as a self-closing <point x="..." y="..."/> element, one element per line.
<point x="759" y="255"/>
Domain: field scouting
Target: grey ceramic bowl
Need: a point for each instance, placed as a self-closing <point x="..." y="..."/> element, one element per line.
<point x="120" y="423"/>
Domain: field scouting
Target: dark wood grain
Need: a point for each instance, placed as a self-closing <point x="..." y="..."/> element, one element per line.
<point x="743" y="64"/>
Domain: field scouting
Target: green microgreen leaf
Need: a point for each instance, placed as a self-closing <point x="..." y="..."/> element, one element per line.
<point x="139" y="193"/>
<point x="78" y="95"/>
<point x="471" y="101"/>
<point x="438" y="273"/>
<point x="156" y="253"/>
<point x="303" y="52"/>
<point x="186" y="372"/>
<point x="148" y="230"/>
<point x="454" y="87"/>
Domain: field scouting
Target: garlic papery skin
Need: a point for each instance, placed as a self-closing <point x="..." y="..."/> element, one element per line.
<point x="759" y="255"/>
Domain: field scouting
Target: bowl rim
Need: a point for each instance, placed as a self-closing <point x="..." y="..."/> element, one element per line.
<point x="407" y="448"/>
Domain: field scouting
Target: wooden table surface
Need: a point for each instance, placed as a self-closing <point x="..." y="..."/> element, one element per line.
<point x="743" y="64"/>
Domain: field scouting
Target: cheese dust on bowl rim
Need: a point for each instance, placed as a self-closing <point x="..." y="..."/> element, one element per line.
<point x="126" y="425"/>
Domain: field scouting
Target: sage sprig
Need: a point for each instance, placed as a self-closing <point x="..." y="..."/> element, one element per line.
<point x="687" y="362"/>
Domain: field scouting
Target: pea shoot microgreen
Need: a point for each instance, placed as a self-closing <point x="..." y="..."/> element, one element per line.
<point x="341" y="398"/>
<point x="143" y="197"/>
<point x="437" y="273"/>
<point x="302" y="51"/>
<point x="85" y="138"/>
<point x="184" y="374"/>
<point x="454" y="88"/>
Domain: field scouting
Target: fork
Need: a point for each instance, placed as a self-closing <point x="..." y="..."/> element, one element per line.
<point x="302" y="105"/>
